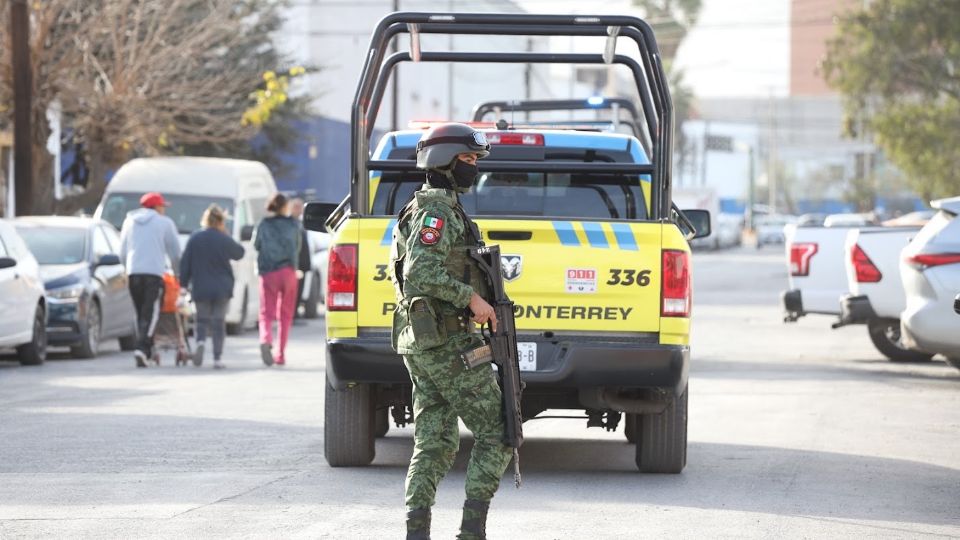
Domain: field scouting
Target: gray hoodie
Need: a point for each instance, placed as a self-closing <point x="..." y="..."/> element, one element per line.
<point x="146" y="240"/>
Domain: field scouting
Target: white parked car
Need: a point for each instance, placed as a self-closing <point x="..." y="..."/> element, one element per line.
<point x="314" y="281"/>
<point x="930" y="269"/>
<point x="23" y="310"/>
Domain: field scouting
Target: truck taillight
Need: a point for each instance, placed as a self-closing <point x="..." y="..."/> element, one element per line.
<point x="342" y="278"/>
<point x="800" y="255"/>
<point x="867" y="272"/>
<point x="675" y="284"/>
<point x="926" y="260"/>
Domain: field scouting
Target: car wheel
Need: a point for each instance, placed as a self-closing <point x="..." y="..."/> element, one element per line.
<point x="237" y="328"/>
<point x="35" y="352"/>
<point x="310" y="310"/>
<point x="662" y="439"/>
<point x="954" y="361"/>
<point x="349" y="426"/>
<point x="90" y="337"/>
<point x="885" y="335"/>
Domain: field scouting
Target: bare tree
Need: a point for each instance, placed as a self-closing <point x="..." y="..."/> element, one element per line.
<point x="141" y="77"/>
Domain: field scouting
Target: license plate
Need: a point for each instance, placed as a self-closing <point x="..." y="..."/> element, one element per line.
<point x="527" y="353"/>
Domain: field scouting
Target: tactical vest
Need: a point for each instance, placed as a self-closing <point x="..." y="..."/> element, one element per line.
<point x="458" y="263"/>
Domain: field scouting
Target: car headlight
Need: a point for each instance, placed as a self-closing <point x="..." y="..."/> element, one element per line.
<point x="70" y="292"/>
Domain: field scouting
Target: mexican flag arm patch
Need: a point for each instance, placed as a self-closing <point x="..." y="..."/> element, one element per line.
<point x="433" y="222"/>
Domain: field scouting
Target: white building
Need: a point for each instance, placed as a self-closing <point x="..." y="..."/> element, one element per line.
<point x="333" y="36"/>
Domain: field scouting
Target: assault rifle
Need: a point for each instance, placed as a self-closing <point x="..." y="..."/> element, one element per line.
<point x="502" y="350"/>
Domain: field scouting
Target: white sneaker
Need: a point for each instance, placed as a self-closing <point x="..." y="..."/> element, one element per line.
<point x="141" y="358"/>
<point x="218" y="364"/>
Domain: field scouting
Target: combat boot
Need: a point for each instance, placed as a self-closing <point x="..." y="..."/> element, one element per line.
<point x="418" y="524"/>
<point x="474" y="524"/>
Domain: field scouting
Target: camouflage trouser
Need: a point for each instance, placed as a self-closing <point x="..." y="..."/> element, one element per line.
<point x="442" y="391"/>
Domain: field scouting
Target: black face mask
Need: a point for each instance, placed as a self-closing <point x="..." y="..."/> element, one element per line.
<point x="464" y="175"/>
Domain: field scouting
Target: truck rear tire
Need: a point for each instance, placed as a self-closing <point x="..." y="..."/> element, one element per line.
<point x="662" y="439"/>
<point x="630" y="423"/>
<point x="348" y="426"/>
<point x="885" y="335"/>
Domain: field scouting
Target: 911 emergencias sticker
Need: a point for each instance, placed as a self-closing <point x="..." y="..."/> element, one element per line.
<point x="581" y="280"/>
<point x="429" y="236"/>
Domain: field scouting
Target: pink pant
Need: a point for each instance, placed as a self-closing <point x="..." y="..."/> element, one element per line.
<point x="278" y="302"/>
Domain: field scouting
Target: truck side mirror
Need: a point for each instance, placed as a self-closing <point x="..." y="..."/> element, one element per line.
<point x="700" y="220"/>
<point x="246" y="233"/>
<point x="7" y="262"/>
<point x="315" y="215"/>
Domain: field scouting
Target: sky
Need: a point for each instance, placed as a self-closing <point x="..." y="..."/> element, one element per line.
<point x="738" y="48"/>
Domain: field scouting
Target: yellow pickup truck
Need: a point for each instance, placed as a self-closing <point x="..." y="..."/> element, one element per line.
<point x="594" y="254"/>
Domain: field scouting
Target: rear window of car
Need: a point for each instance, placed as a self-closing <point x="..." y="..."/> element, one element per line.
<point x="589" y="196"/>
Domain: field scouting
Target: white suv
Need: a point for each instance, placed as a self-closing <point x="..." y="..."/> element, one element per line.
<point x="930" y="269"/>
<point x="21" y="293"/>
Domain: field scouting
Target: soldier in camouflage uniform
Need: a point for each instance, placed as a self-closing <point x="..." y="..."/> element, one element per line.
<point x="436" y="283"/>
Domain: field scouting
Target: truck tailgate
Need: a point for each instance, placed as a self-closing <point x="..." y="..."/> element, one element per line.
<point x="584" y="276"/>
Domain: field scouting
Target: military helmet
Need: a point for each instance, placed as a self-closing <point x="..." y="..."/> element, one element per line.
<point x="441" y="144"/>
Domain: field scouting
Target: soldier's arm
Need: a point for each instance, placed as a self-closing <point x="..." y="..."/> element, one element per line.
<point x="427" y="251"/>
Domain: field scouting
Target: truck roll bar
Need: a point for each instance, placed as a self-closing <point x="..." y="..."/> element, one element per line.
<point x="481" y="110"/>
<point x="649" y="77"/>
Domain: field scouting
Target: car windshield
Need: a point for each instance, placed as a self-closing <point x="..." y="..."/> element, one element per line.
<point x="55" y="245"/>
<point x="184" y="210"/>
<point x="596" y="196"/>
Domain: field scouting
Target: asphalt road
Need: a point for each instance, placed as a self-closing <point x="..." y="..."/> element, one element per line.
<point x="796" y="431"/>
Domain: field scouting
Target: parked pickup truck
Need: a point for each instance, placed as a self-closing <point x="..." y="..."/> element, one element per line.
<point x="816" y="273"/>
<point x="876" y="297"/>
<point x="818" y="259"/>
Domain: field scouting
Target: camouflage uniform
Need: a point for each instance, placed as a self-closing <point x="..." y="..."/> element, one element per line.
<point x="429" y="258"/>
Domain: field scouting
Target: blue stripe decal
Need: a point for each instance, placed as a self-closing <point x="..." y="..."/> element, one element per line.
<point x="565" y="233"/>
<point x="388" y="234"/>
<point x="595" y="235"/>
<point x="624" y="236"/>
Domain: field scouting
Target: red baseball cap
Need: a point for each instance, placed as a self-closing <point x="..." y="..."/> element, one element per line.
<point x="152" y="200"/>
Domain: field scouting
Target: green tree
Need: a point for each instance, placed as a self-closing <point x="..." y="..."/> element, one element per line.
<point x="140" y="78"/>
<point x="897" y="64"/>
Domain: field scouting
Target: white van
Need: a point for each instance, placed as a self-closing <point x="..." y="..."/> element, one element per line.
<point x="190" y="185"/>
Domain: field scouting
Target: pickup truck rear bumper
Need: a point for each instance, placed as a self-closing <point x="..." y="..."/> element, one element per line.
<point x="792" y="303"/>
<point x="561" y="363"/>
<point x="855" y="310"/>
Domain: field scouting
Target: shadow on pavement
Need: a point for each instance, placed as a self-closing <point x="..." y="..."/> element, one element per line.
<point x="49" y="457"/>
<point x="857" y="370"/>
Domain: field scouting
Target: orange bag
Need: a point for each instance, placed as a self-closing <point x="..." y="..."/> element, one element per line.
<point x="171" y="291"/>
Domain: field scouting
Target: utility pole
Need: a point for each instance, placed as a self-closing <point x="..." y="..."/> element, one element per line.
<point x="22" y="104"/>
<point x="395" y="94"/>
